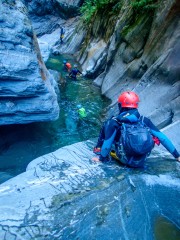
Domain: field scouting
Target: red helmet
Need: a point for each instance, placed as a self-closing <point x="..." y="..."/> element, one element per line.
<point x="129" y="99"/>
<point x="68" y="65"/>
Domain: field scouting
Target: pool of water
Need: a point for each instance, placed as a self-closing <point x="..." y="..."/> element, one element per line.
<point x="20" y="144"/>
<point x="166" y="230"/>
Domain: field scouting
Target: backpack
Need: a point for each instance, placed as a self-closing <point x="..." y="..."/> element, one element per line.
<point x="136" y="139"/>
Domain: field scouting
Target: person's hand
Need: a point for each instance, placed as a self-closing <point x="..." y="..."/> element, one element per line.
<point x="95" y="159"/>
<point x="178" y="159"/>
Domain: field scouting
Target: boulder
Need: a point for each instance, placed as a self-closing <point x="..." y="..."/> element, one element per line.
<point x="26" y="87"/>
<point x="64" y="195"/>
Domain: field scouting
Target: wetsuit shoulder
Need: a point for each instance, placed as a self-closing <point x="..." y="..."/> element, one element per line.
<point x="149" y="123"/>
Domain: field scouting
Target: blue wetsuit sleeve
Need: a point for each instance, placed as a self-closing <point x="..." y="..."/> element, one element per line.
<point x="110" y="133"/>
<point x="106" y="147"/>
<point x="164" y="140"/>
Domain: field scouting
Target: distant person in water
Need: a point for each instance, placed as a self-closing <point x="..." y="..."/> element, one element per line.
<point x="66" y="66"/>
<point x="81" y="111"/>
<point x="74" y="72"/>
<point x="62" y="32"/>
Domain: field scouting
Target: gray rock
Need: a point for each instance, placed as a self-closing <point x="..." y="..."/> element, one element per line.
<point x="68" y="8"/>
<point x="64" y="8"/>
<point x="73" y="38"/>
<point x="64" y="195"/>
<point x="43" y="25"/>
<point x="26" y="87"/>
<point x="93" y="57"/>
<point x="50" y="42"/>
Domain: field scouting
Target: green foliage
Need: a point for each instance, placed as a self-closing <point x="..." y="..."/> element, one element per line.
<point x="88" y="10"/>
<point x="144" y="5"/>
<point x="91" y="7"/>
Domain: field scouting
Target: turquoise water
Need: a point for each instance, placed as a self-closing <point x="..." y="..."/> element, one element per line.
<point x="70" y="127"/>
<point x="20" y="144"/>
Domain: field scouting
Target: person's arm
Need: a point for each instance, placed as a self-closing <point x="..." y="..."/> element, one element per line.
<point x="106" y="147"/>
<point x="164" y="140"/>
<point x="70" y="73"/>
<point x="110" y="134"/>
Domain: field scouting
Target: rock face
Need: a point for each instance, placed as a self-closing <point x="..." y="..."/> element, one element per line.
<point x="63" y="195"/>
<point x="49" y="43"/>
<point x="26" y="87"/>
<point x="138" y="54"/>
<point x="64" y="8"/>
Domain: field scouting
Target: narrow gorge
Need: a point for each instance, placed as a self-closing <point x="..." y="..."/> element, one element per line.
<point x="119" y="45"/>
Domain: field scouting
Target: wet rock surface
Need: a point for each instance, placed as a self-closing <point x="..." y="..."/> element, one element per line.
<point x="64" y="195"/>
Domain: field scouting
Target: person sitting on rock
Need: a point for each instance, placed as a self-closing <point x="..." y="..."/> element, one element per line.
<point x="132" y="135"/>
<point x="73" y="73"/>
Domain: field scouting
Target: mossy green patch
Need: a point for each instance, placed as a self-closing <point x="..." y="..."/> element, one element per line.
<point x="133" y="23"/>
<point x="93" y="7"/>
<point x="144" y="5"/>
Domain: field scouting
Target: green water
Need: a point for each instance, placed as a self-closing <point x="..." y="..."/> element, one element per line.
<point x="166" y="230"/>
<point x="20" y="144"/>
<point x="71" y="129"/>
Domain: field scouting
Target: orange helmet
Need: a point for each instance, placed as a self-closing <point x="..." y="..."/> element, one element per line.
<point x="128" y="99"/>
<point x="68" y="65"/>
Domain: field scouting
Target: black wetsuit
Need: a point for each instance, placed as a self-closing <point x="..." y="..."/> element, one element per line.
<point x="74" y="73"/>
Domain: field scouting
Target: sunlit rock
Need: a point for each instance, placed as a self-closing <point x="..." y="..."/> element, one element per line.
<point x="93" y="57"/>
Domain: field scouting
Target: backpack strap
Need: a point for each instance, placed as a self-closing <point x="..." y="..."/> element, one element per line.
<point x="141" y="119"/>
<point x="123" y="126"/>
<point x="115" y="119"/>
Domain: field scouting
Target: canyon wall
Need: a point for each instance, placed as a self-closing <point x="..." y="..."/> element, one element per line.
<point x="26" y="87"/>
<point x="140" y="52"/>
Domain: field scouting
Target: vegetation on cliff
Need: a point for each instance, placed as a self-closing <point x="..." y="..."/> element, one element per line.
<point x="100" y="17"/>
<point x="90" y="8"/>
